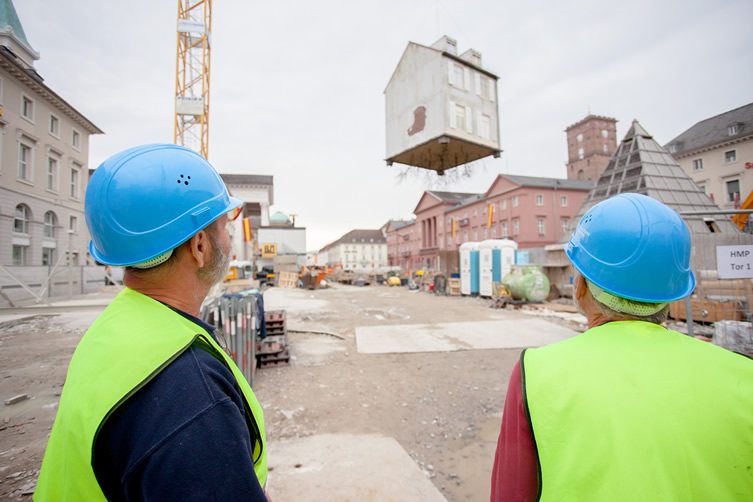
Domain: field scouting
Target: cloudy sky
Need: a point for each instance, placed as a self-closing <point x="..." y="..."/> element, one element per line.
<point x="297" y="87"/>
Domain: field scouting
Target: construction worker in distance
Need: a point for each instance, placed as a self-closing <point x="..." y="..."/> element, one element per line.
<point x="628" y="410"/>
<point x="152" y="407"/>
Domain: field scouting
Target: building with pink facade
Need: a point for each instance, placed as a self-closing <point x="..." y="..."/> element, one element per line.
<point x="532" y="211"/>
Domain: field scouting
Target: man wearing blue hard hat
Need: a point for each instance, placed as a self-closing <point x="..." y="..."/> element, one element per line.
<point x="152" y="407"/>
<point x="628" y="410"/>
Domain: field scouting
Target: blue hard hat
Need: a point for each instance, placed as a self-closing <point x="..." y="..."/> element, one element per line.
<point x="147" y="200"/>
<point x="634" y="247"/>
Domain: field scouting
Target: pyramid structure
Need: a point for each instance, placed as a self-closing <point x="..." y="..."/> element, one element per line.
<point x="641" y="165"/>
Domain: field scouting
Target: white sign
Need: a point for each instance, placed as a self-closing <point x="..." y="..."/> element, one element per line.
<point x="734" y="262"/>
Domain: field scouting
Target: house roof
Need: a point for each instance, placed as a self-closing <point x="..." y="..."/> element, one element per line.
<point x="398" y="224"/>
<point x="588" y="117"/>
<point x="641" y="165"/>
<point x="30" y="78"/>
<point x="535" y="181"/>
<point x="450" y="197"/>
<point x="713" y="131"/>
<point x="9" y="22"/>
<point x="248" y="179"/>
<point x="359" y="236"/>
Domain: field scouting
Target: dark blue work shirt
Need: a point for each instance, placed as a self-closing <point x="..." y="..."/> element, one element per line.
<point x="183" y="436"/>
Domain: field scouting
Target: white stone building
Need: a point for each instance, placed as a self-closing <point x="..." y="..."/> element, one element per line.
<point x="358" y="250"/>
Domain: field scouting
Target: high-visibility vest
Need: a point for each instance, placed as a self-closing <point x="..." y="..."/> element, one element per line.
<point x="127" y="345"/>
<point x="632" y="411"/>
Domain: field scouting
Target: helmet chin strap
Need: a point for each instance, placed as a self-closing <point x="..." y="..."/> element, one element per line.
<point x="157" y="260"/>
<point x="623" y="305"/>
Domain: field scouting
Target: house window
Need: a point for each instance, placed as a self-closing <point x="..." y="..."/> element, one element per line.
<point x="541" y="225"/>
<point x="604" y="133"/>
<point x="503" y="204"/>
<point x="581" y="153"/>
<point x="21" y="219"/>
<point x="730" y="156"/>
<point x="73" y="224"/>
<point x="604" y="148"/>
<point x="697" y="164"/>
<point x="76" y="140"/>
<point x="565" y="225"/>
<point x="48" y="256"/>
<point x="486" y="232"/>
<point x="484" y="127"/>
<point x="52" y="174"/>
<point x="54" y="126"/>
<point x="733" y="191"/>
<point x="27" y="108"/>
<point x="515" y="201"/>
<point x="504" y="229"/>
<point x="460" y="117"/>
<point x="475" y="234"/>
<point x="672" y="148"/>
<point x="456" y="75"/>
<point x="563" y="200"/>
<point x="20" y="253"/>
<point x="515" y="226"/>
<point x="579" y="137"/>
<point x="75" y="181"/>
<point x="539" y="200"/>
<point x="465" y="235"/>
<point x="24" y="161"/>
<point x="50" y="222"/>
<point x="732" y="130"/>
<point x="494" y="232"/>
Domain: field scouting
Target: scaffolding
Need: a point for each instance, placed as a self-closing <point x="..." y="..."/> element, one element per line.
<point x="192" y="65"/>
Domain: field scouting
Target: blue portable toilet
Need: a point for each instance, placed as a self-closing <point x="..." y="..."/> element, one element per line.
<point x="496" y="257"/>
<point x="469" y="255"/>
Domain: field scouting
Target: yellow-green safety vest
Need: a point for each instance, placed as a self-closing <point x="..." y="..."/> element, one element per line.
<point x="632" y="411"/>
<point x="133" y="339"/>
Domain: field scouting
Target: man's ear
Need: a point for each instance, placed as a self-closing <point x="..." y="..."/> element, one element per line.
<point x="199" y="247"/>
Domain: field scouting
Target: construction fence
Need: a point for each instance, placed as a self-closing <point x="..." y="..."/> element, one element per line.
<point x="25" y="285"/>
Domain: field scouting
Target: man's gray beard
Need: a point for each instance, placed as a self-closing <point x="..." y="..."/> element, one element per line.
<point x="217" y="269"/>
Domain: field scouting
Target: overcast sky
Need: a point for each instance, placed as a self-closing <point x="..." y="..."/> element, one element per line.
<point x="297" y="87"/>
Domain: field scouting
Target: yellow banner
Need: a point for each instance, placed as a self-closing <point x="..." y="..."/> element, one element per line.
<point x="454" y="227"/>
<point x="491" y="215"/>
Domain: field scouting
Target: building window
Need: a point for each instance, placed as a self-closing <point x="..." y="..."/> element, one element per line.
<point x="486" y="233"/>
<point x="494" y="232"/>
<point x="503" y="204"/>
<point x="733" y="191"/>
<point x="75" y="181"/>
<point x="460" y="117"/>
<point x="539" y="200"/>
<point x="672" y="148"/>
<point x="581" y="153"/>
<point x="563" y="200"/>
<point x="732" y="130"/>
<point x="604" y="133"/>
<point x="27" y="108"/>
<point x="542" y="225"/>
<point x="730" y="156"/>
<point x="20" y="253"/>
<point x="579" y="137"/>
<point x="604" y="148"/>
<point x="21" y="219"/>
<point x="76" y="140"/>
<point x="475" y="234"/>
<point x="504" y="230"/>
<point x="484" y="126"/>
<point x="456" y="75"/>
<point x="50" y="222"/>
<point x="515" y="226"/>
<point x="73" y="224"/>
<point x="48" y="256"/>
<point x="54" y="126"/>
<point x="52" y="174"/>
<point x="465" y="235"/>
<point x="24" y="161"/>
<point x="565" y="225"/>
<point x="698" y="165"/>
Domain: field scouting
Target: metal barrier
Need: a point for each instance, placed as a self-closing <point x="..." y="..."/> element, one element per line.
<point x="236" y="316"/>
<point x="720" y="307"/>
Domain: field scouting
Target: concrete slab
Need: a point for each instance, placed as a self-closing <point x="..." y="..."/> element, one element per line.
<point x="346" y="467"/>
<point x="292" y="300"/>
<point x="444" y="337"/>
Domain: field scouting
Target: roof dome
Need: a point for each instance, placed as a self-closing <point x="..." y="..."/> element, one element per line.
<point x="279" y="218"/>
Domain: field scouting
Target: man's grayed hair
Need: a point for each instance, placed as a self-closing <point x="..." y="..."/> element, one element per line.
<point x="657" y="318"/>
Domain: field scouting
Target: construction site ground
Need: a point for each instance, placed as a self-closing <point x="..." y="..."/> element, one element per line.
<point x="413" y="415"/>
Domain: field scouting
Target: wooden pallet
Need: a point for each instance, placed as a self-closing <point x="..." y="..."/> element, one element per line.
<point x="453" y="287"/>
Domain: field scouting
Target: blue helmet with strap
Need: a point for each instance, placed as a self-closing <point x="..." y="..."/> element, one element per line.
<point x="144" y="202"/>
<point x="634" y="247"/>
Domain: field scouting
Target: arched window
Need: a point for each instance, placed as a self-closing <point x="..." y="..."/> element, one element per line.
<point x="50" y="222"/>
<point x="21" y="219"/>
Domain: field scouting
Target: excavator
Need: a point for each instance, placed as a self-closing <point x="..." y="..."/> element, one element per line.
<point x="741" y="219"/>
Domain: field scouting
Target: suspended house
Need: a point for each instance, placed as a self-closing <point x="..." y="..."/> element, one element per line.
<point x="441" y="108"/>
<point x="641" y="165"/>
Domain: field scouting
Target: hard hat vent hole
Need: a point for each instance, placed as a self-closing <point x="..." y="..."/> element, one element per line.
<point x="183" y="179"/>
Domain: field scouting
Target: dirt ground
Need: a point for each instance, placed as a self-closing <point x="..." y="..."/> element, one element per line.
<point x="444" y="408"/>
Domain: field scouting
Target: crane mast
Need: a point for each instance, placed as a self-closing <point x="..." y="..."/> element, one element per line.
<point x="192" y="65"/>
